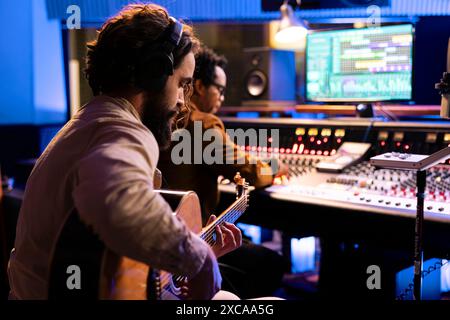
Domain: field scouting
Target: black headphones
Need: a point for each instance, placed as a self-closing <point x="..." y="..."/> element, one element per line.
<point x="155" y="63"/>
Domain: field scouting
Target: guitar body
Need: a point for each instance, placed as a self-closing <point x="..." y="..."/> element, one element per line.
<point x="109" y="276"/>
<point x="127" y="279"/>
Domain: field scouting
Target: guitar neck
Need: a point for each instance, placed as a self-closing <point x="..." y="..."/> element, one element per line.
<point x="230" y="215"/>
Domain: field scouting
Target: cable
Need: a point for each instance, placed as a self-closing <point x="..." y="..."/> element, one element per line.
<point x="410" y="289"/>
<point x="390" y="115"/>
<point x="368" y="129"/>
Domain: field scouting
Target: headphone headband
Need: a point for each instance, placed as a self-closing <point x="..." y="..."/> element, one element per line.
<point x="176" y="28"/>
<point x="157" y="59"/>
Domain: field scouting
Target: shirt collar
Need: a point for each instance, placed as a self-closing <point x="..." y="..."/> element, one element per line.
<point x="120" y="102"/>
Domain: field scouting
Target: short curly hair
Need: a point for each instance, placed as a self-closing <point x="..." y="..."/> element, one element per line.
<point x="112" y="57"/>
<point x="206" y="61"/>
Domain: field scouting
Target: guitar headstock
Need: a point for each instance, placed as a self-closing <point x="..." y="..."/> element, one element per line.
<point x="241" y="186"/>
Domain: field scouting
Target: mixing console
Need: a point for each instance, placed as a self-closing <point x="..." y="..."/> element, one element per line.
<point x="361" y="186"/>
<point x="362" y="214"/>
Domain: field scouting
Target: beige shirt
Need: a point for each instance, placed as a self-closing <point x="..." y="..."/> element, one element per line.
<point x="101" y="163"/>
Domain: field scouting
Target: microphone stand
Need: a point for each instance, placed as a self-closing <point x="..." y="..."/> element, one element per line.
<point x="418" y="234"/>
<point x="420" y="164"/>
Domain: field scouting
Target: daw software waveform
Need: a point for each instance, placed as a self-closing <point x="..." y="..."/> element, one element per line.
<point x="371" y="64"/>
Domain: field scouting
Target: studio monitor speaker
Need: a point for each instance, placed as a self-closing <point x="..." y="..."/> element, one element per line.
<point x="269" y="77"/>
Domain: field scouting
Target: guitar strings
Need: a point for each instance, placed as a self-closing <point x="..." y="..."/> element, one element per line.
<point x="236" y="213"/>
<point x="210" y="235"/>
<point x="237" y="209"/>
<point x="210" y="240"/>
<point x="211" y="228"/>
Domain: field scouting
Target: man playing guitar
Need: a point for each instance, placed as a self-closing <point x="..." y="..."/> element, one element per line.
<point x="100" y="165"/>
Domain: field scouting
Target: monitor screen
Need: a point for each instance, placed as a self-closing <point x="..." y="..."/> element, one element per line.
<point x="370" y="64"/>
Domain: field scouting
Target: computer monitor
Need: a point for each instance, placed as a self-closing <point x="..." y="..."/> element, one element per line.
<point x="353" y="65"/>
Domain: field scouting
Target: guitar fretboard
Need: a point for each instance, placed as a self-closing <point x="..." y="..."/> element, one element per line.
<point x="230" y="215"/>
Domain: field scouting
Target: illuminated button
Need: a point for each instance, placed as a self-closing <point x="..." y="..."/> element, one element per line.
<point x="339" y="132"/>
<point x="325" y="132"/>
<point x="383" y="135"/>
<point x="313" y="132"/>
<point x="447" y="137"/>
<point x="398" y="136"/>
<point x="300" y="131"/>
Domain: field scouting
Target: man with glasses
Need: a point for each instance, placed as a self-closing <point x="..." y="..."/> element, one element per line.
<point x="250" y="263"/>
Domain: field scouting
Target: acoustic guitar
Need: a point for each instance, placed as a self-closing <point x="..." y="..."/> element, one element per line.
<point x="105" y="275"/>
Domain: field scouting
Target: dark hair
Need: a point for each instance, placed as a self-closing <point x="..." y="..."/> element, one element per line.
<point x="122" y="43"/>
<point x="206" y="61"/>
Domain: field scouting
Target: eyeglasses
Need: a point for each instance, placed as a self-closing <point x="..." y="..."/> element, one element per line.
<point x="220" y="87"/>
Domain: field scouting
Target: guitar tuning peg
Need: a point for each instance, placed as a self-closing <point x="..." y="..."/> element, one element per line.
<point x="237" y="178"/>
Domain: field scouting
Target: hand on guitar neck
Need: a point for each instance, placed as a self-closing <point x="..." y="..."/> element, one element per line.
<point x="228" y="237"/>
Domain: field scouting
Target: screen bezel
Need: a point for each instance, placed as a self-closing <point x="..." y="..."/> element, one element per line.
<point x="362" y="100"/>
